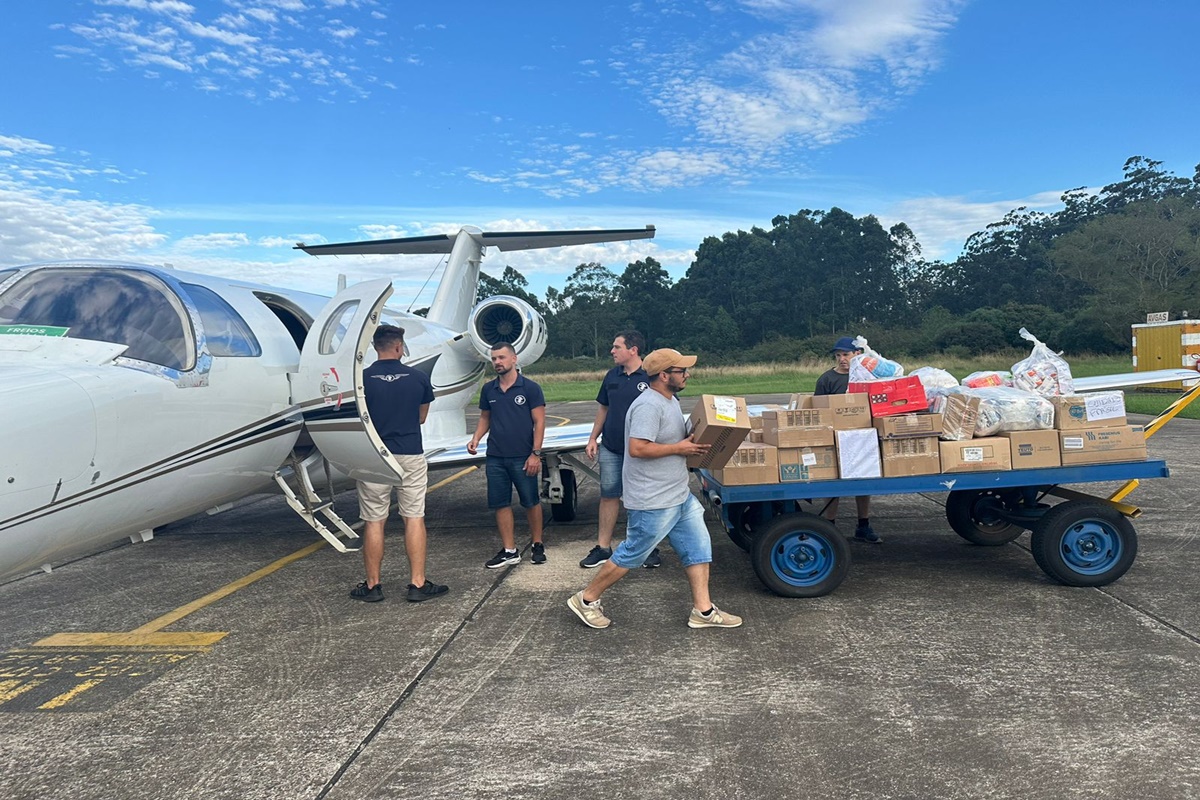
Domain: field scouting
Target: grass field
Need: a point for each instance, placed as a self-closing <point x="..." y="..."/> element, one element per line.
<point x="756" y="379"/>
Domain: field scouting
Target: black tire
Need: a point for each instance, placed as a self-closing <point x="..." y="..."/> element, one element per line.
<point x="1081" y="543"/>
<point x="743" y="521"/>
<point x="972" y="515"/>
<point x="565" y="511"/>
<point x="800" y="555"/>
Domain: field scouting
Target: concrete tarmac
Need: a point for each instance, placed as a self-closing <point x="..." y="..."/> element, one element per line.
<point x="938" y="669"/>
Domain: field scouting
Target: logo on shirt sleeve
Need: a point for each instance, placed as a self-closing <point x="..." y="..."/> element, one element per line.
<point x="643" y="386"/>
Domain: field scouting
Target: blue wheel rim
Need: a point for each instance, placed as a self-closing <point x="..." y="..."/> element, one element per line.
<point x="1091" y="547"/>
<point x="803" y="558"/>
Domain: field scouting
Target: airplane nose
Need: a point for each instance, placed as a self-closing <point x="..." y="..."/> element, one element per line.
<point x="48" y="430"/>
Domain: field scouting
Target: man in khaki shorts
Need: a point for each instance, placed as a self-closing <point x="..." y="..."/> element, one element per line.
<point x="398" y="399"/>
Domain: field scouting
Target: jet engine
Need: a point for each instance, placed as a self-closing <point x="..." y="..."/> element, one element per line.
<point x="507" y="319"/>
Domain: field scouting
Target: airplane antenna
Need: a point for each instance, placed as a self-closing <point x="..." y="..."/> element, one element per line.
<point x="417" y="296"/>
<point x="341" y="281"/>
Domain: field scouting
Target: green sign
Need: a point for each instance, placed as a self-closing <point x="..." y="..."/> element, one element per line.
<point x="33" y="330"/>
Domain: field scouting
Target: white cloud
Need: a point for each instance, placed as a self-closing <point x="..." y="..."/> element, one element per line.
<point x="213" y="241"/>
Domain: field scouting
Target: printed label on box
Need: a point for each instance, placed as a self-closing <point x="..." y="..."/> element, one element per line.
<point x="972" y="454"/>
<point x="808" y="459"/>
<point x="725" y="409"/>
<point x="1072" y="443"/>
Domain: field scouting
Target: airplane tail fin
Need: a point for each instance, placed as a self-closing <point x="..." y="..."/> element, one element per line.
<point x="456" y="293"/>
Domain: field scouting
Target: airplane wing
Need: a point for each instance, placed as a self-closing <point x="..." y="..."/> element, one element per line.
<point x="561" y="439"/>
<point x="502" y="240"/>
<point x="1131" y="379"/>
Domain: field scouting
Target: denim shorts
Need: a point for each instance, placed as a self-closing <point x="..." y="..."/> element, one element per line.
<point x="683" y="525"/>
<point x="505" y="473"/>
<point x="610" y="472"/>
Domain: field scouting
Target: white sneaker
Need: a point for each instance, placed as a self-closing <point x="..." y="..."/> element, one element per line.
<point x="591" y="614"/>
<point x="717" y="619"/>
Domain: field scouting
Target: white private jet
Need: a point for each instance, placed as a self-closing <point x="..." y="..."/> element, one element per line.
<point x="138" y="395"/>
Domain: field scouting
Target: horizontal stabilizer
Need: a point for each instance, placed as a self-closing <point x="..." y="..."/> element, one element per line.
<point x="1131" y="379"/>
<point x="503" y="240"/>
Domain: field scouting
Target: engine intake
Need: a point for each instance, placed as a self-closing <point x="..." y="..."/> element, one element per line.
<point x="508" y="319"/>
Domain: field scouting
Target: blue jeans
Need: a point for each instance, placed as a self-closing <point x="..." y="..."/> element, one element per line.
<point x="682" y="524"/>
<point x="505" y="473"/>
<point x="610" y="472"/>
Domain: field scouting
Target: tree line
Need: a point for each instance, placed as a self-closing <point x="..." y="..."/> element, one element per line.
<point x="1077" y="278"/>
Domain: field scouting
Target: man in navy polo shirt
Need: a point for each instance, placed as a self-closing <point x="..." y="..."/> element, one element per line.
<point x="512" y="411"/>
<point x="398" y="399"/>
<point x="619" y="389"/>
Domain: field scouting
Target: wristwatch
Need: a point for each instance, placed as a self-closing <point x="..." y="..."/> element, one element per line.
<point x="537" y="453"/>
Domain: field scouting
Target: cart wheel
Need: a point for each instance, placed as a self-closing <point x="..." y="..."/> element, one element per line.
<point x="565" y="511"/>
<point x="800" y="555"/>
<point x="972" y="515"/>
<point x="1081" y="543"/>
<point x="743" y="519"/>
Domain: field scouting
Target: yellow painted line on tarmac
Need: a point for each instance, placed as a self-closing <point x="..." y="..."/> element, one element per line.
<point x="152" y="639"/>
<point x="69" y="695"/>
<point x="452" y="478"/>
<point x="11" y="689"/>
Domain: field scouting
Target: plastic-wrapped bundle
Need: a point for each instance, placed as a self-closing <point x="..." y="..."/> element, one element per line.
<point x="934" y="378"/>
<point x="986" y="378"/>
<point x="938" y="394"/>
<point x="1005" y="408"/>
<point x="1044" y="372"/>
<point x="870" y="366"/>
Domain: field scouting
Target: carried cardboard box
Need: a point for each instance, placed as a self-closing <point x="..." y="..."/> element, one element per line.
<point x="1102" y="445"/>
<point x="719" y="421"/>
<point x="893" y="396"/>
<point x="917" y="455"/>
<point x="960" y="415"/>
<point x="858" y="453"/>
<point x="846" y="411"/>
<point x="804" y="427"/>
<point x="798" y="464"/>
<point x="989" y="454"/>
<point x="1033" y="449"/>
<point x="901" y="426"/>
<point x="751" y="464"/>
<point x="1094" y="410"/>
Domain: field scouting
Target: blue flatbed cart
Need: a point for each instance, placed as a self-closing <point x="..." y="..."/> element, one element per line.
<point x="1081" y="541"/>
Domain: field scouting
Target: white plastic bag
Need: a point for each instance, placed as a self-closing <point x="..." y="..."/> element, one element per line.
<point x="870" y="366"/>
<point x="934" y="378"/>
<point x="1005" y="408"/>
<point x="1044" y="372"/>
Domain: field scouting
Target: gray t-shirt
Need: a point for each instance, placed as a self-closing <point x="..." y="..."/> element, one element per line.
<point x="654" y="483"/>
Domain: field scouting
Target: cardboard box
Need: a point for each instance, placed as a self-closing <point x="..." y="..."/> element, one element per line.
<point x="756" y="436"/>
<point x="989" y="454"/>
<point x="751" y="464"/>
<point x="1094" y="410"/>
<point x="858" y="453"/>
<point x="916" y="455"/>
<point x="1102" y="445"/>
<point x="900" y="426"/>
<point x="799" y="464"/>
<point x="960" y="414"/>
<point x="756" y="420"/>
<point x="1033" y="449"/>
<point x="797" y="428"/>
<point x="719" y="421"/>
<point x="893" y="396"/>
<point x="847" y="411"/>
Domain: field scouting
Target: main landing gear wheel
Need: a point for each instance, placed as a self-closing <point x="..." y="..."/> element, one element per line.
<point x="973" y="516"/>
<point x="800" y="555"/>
<point x="1082" y="543"/>
<point x="565" y="511"/>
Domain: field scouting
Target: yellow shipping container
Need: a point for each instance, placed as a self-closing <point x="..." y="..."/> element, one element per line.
<point x="1167" y="345"/>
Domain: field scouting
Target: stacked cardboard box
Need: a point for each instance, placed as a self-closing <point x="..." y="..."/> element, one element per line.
<point x="750" y="464"/>
<point x="992" y="453"/>
<point x="801" y="427"/>
<point x="1092" y="429"/>
<point x="909" y="444"/>
<point x="807" y="464"/>
<point x="960" y="414"/>
<point x="1033" y="449"/>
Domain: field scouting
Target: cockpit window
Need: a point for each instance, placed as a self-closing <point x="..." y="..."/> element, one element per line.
<point x="124" y="307"/>
<point x="5" y="274"/>
<point x="226" y="333"/>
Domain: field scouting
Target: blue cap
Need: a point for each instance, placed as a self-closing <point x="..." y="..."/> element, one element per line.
<point x="845" y="345"/>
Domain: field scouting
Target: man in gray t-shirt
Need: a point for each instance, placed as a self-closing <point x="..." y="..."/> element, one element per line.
<point x="656" y="495"/>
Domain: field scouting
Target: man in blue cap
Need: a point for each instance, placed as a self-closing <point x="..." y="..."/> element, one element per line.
<point x="837" y="381"/>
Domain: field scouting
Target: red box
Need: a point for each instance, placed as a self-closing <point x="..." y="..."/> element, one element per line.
<point x="893" y="396"/>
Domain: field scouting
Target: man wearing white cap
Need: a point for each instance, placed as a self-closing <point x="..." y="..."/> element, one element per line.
<point x="657" y="498"/>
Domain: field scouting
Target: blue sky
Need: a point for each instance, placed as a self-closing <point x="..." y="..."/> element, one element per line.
<point x="214" y="135"/>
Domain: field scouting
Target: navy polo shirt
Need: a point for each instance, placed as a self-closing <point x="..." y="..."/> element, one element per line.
<point x="617" y="392"/>
<point x="510" y="428"/>
<point x="395" y="394"/>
